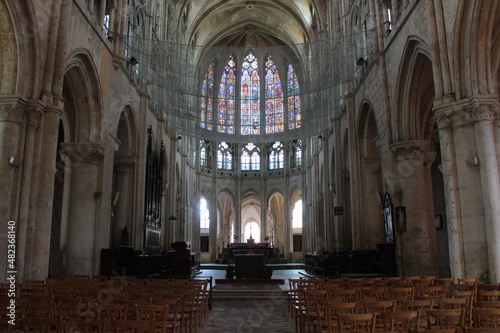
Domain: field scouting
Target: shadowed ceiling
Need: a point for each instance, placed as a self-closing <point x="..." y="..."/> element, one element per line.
<point x="249" y="23"/>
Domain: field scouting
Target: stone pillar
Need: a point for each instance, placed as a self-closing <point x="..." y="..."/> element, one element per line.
<point x="483" y="114"/>
<point x="33" y="116"/>
<point x="40" y="218"/>
<point x="63" y="243"/>
<point x="418" y="244"/>
<point x="122" y="213"/>
<point x="11" y="119"/>
<point x="452" y="195"/>
<point x="85" y="158"/>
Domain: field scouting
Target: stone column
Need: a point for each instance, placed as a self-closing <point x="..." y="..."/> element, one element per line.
<point x="123" y="169"/>
<point x="40" y="218"/>
<point x="33" y="116"/>
<point x="483" y="114"/>
<point x="418" y="244"/>
<point x="86" y="158"/>
<point x="452" y="195"/>
<point x="63" y="243"/>
<point x="11" y="119"/>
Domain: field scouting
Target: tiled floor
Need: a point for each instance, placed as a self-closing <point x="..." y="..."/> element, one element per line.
<point x="240" y="315"/>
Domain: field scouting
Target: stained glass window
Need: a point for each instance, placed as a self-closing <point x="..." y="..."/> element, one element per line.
<point x="294" y="116"/>
<point x="227" y="98"/>
<point x="203" y="153"/>
<point x="276" y="156"/>
<point x="250" y="96"/>
<point x="250" y="157"/>
<point x="207" y="99"/>
<point x="225" y="153"/>
<point x="274" y="99"/>
<point x="204" y="214"/>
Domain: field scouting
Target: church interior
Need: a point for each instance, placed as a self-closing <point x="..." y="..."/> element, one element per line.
<point x="341" y="136"/>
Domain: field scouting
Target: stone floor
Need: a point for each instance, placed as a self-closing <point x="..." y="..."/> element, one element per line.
<point x="241" y="314"/>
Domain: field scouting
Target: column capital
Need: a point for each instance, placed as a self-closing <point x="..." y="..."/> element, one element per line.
<point x="83" y="152"/>
<point x="12" y="108"/>
<point x="34" y="113"/>
<point x="411" y="150"/>
<point x="125" y="163"/>
<point x="467" y="111"/>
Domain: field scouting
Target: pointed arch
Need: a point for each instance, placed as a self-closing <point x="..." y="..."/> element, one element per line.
<point x="81" y="82"/>
<point x="415" y="93"/>
<point x="477" y="34"/>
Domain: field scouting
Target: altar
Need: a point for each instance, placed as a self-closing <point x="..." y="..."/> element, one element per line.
<point x="264" y="249"/>
<point x="248" y="266"/>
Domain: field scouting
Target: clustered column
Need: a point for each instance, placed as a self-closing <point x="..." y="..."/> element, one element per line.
<point x="85" y="158"/>
<point x="417" y="245"/>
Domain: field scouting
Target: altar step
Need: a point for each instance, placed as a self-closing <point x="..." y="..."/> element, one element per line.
<point x="274" y="266"/>
<point x="249" y="294"/>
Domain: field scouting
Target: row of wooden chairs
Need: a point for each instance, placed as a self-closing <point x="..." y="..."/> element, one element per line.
<point x="66" y="295"/>
<point x="433" y="297"/>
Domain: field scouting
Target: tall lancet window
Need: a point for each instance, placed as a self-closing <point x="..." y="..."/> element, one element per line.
<point x="294" y="116"/>
<point x="274" y="99"/>
<point x="250" y="96"/>
<point x="227" y="99"/>
<point x="207" y="90"/>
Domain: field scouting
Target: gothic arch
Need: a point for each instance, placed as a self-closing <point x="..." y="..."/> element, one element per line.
<point x="371" y="182"/>
<point x="415" y="93"/>
<point x="85" y="97"/>
<point x="275" y="218"/>
<point x="19" y="49"/>
<point x="475" y="40"/>
<point x="125" y="162"/>
<point x="225" y="217"/>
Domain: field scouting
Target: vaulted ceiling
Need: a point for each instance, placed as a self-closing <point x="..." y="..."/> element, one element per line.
<point x="248" y="23"/>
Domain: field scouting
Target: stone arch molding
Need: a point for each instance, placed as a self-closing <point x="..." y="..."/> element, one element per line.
<point x="19" y="49"/>
<point x="475" y="48"/>
<point x="81" y="73"/>
<point x="414" y="89"/>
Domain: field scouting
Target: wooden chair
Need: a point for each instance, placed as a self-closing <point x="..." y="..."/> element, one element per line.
<point x="110" y="312"/>
<point x="174" y="319"/>
<point x="453" y="303"/>
<point x="401" y="321"/>
<point x="43" y="325"/>
<point x="134" y="326"/>
<point x="155" y="313"/>
<point x="487" y="305"/>
<point x="437" y="330"/>
<point x="5" y="325"/>
<point x="145" y="297"/>
<point x="311" y="311"/>
<point x="85" y="325"/>
<point x="423" y="306"/>
<point x="378" y="293"/>
<point x="445" y="281"/>
<point x="329" y="310"/>
<point x="35" y="298"/>
<point x="37" y="310"/>
<point x="346" y="295"/>
<point x="445" y="318"/>
<point x="488" y="295"/>
<point x="359" y="323"/>
<point x="467" y="294"/>
<point x="486" y="318"/>
<point x="77" y="311"/>
<point x="488" y="286"/>
<point x="378" y="308"/>
<point x="481" y="330"/>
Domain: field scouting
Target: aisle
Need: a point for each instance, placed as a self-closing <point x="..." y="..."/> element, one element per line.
<point x="248" y="315"/>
